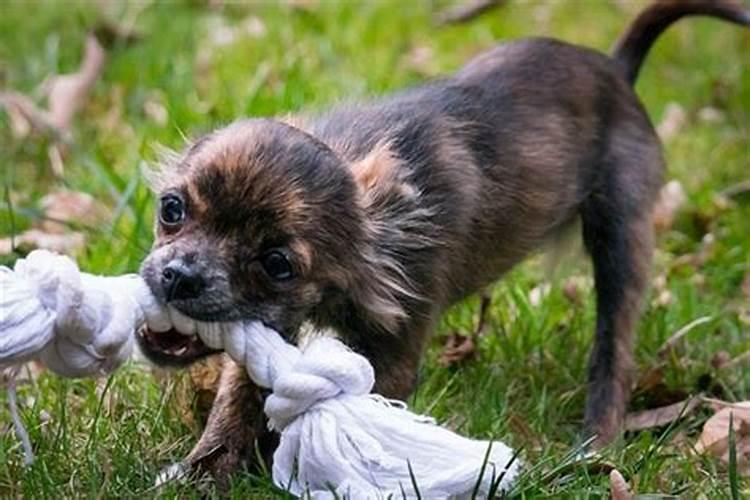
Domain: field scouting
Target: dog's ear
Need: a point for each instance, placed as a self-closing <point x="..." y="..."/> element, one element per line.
<point x="380" y="175"/>
<point x="387" y="201"/>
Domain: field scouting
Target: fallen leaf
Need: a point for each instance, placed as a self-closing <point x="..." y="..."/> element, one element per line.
<point x="70" y="243"/>
<point x="659" y="417"/>
<point x="652" y="378"/>
<point x="204" y="378"/>
<point x="576" y="288"/>
<point x="26" y="115"/>
<point x="720" y="359"/>
<point x="672" y="122"/>
<point x="155" y="109"/>
<point x="710" y="114"/>
<point x="68" y="93"/>
<point x="421" y="59"/>
<point x="65" y="207"/>
<point x="618" y="487"/>
<point x="714" y="438"/>
<point x="538" y="293"/>
<point x="457" y="348"/>
<point x="671" y="199"/>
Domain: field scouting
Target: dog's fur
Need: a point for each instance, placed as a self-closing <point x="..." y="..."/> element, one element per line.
<point x="390" y="211"/>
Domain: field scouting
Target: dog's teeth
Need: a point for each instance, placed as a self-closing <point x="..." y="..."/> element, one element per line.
<point x="181" y="323"/>
<point x="210" y="334"/>
<point x="157" y="319"/>
<point x="179" y="352"/>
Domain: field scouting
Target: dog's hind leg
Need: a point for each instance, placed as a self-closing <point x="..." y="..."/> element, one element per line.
<point x="618" y="234"/>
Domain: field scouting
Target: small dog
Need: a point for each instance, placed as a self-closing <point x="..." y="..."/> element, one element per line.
<point x="375" y="217"/>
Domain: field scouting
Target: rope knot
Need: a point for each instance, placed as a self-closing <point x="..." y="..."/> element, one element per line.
<point x="83" y="324"/>
<point x="326" y="369"/>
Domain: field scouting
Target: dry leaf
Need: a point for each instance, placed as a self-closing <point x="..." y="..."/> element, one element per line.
<point x="720" y="359"/>
<point x="710" y="114"/>
<point x="714" y="438"/>
<point x="25" y="115"/>
<point x="538" y="293"/>
<point x="421" y="59"/>
<point x="70" y="243"/>
<point x="672" y="122"/>
<point x="68" y="93"/>
<point x="618" y="487"/>
<point x="65" y="207"/>
<point x="671" y="199"/>
<point x="575" y="289"/>
<point x="457" y="348"/>
<point x="155" y="110"/>
<point x="658" y="417"/>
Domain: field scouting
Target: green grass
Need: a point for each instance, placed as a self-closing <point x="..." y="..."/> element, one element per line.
<point x="111" y="437"/>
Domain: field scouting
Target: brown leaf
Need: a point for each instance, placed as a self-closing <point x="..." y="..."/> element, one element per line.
<point x="653" y="377"/>
<point x="538" y="293"/>
<point x="204" y="378"/>
<point x="421" y="59"/>
<point x="70" y="243"/>
<point x="720" y="359"/>
<point x="575" y="289"/>
<point x="68" y="93"/>
<point x="25" y="115"/>
<point x="457" y="348"/>
<point x="155" y="109"/>
<point x="672" y="122"/>
<point x="671" y="199"/>
<point x="658" y="417"/>
<point x="618" y="487"/>
<point x="714" y="438"/>
<point x="62" y="208"/>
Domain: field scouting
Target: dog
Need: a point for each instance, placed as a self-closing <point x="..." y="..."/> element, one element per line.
<point x="372" y="218"/>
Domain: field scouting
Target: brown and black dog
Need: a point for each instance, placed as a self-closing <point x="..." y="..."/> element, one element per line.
<point x="373" y="218"/>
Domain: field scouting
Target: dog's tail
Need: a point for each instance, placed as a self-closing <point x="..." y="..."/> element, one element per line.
<point x="632" y="47"/>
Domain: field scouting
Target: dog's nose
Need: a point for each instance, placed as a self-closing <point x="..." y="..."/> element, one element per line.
<point x="181" y="281"/>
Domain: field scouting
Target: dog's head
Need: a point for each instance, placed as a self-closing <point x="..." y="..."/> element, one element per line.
<point x="259" y="221"/>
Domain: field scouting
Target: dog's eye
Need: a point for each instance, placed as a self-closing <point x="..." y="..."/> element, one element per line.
<point x="172" y="210"/>
<point x="276" y="265"/>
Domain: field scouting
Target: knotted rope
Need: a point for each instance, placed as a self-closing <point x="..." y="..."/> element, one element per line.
<point x="335" y="435"/>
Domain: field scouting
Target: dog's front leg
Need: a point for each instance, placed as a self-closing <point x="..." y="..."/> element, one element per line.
<point x="236" y="432"/>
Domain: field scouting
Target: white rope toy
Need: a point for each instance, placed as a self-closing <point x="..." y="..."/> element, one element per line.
<point x="335" y="435"/>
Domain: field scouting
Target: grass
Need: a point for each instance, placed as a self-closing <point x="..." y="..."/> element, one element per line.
<point x="110" y="437"/>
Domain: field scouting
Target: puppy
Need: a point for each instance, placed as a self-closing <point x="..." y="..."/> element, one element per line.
<point x="373" y="218"/>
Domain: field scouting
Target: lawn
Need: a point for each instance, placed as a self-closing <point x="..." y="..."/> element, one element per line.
<point x="197" y="66"/>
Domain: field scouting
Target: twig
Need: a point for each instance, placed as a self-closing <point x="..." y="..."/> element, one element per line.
<point x="672" y="341"/>
<point x="23" y="435"/>
<point x="736" y="190"/>
<point x="466" y="11"/>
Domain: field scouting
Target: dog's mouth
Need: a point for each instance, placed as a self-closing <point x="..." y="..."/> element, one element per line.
<point x="171" y="347"/>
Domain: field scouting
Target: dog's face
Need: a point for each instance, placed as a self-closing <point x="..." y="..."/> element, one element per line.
<point x="256" y="221"/>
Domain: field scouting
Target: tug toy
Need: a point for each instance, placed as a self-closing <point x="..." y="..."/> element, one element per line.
<point x="336" y="437"/>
